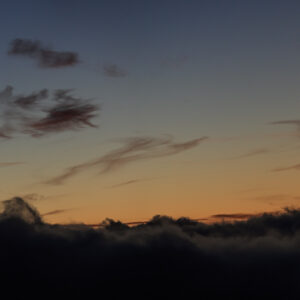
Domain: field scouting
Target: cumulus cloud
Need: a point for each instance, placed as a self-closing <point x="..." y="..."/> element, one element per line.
<point x="41" y="113"/>
<point x="45" y="56"/>
<point x="134" y="149"/>
<point x="164" y="258"/>
<point x="113" y="70"/>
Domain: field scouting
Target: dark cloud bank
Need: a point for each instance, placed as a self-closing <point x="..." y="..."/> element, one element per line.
<point x="164" y="258"/>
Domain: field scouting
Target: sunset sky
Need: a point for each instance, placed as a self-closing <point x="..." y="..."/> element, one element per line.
<point x="128" y="109"/>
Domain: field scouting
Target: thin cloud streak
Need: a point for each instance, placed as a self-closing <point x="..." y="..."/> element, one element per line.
<point x="253" y="153"/>
<point x="135" y="149"/>
<point x="126" y="183"/>
<point x="290" y="168"/>
<point x="54" y="212"/>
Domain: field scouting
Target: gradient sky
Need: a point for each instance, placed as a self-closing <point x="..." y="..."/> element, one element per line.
<point x="184" y="70"/>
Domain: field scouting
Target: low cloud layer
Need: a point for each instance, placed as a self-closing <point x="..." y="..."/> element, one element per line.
<point x="134" y="149"/>
<point x="41" y="113"/>
<point x="163" y="258"/>
<point x="45" y="56"/>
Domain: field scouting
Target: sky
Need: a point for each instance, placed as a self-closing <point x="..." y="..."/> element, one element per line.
<point x="128" y="109"/>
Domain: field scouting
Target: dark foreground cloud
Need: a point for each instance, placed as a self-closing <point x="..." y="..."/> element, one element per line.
<point x="45" y="56"/>
<point x="134" y="149"/>
<point x="41" y="113"/>
<point x="161" y="259"/>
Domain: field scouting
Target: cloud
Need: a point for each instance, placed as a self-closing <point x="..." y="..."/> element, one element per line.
<point x="134" y="149"/>
<point x="41" y="113"/>
<point x="113" y="70"/>
<point x="30" y="101"/>
<point x="55" y="212"/>
<point x="237" y="216"/>
<point x="288" y="122"/>
<point x="294" y="167"/>
<point x="253" y="153"/>
<point x="126" y="183"/>
<point x="45" y="56"/>
<point x="164" y="258"/>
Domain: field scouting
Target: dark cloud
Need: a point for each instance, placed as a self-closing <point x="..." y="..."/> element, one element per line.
<point x="113" y="70"/>
<point x="289" y="168"/>
<point x="161" y="259"/>
<point x="134" y="149"/>
<point x="45" y="56"/>
<point x="30" y="101"/>
<point x="38" y="114"/>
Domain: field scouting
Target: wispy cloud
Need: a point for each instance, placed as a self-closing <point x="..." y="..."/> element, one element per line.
<point x="289" y="122"/>
<point x="253" y="153"/>
<point x="38" y="114"/>
<point x="293" y="167"/>
<point x="236" y="216"/>
<point x="134" y="149"/>
<point x="45" y="56"/>
<point x="54" y="212"/>
<point x="113" y="70"/>
<point x="126" y="183"/>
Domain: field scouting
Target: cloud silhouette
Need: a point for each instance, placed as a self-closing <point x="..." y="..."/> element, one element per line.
<point x="113" y="70"/>
<point x="164" y="258"/>
<point x="38" y="114"/>
<point x="134" y="149"/>
<point x="45" y="56"/>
